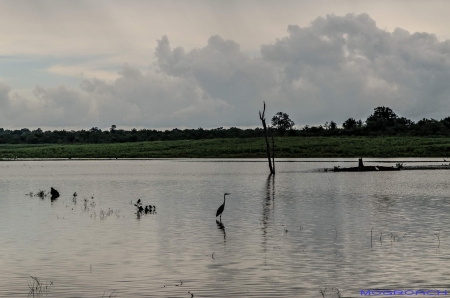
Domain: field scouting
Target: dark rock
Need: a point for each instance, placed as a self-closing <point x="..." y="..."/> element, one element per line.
<point x="54" y="193"/>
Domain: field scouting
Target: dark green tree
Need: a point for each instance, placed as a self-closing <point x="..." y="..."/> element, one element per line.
<point x="349" y="124"/>
<point x="446" y="122"/>
<point x="383" y="113"/>
<point x="332" y="125"/>
<point x="382" y="119"/>
<point x="282" y="122"/>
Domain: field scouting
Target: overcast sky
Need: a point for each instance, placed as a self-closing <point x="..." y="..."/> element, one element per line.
<point x="190" y="64"/>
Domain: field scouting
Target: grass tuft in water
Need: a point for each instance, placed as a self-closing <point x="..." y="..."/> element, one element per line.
<point x="330" y="292"/>
<point x="110" y="295"/>
<point x="38" y="287"/>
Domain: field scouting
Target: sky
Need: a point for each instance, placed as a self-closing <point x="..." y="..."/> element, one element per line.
<point x="189" y="64"/>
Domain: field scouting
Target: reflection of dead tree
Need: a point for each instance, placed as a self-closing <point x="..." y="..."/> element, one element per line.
<point x="271" y="162"/>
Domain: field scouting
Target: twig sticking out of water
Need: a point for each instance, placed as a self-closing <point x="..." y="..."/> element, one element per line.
<point x="393" y="238"/>
<point x="437" y="235"/>
<point x="334" y="290"/>
<point x="104" y="214"/>
<point x="140" y="210"/>
<point x="111" y="295"/>
<point x="371" y="238"/>
<point x="41" y="194"/>
<point x="335" y="237"/>
<point x="37" y="286"/>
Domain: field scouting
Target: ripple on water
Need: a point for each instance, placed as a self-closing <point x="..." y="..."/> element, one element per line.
<point x="284" y="237"/>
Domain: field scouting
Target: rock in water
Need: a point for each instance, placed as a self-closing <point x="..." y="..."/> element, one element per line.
<point x="54" y="193"/>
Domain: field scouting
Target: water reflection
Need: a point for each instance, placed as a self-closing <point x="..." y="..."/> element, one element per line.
<point x="268" y="201"/>
<point x="270" y="193"/>
<point x="221" y="227"/>
<point x="329" y="217"/>
<point x="383" y="203"/>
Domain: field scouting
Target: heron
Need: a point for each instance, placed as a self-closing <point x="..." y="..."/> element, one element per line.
<point x="220" y="210"/>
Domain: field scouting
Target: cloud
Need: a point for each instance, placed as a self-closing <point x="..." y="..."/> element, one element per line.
<point x="153" y="99"/>
<point x="343" y="66"/>
<point x="4" y="95"/>
<point x="338" y="67"/>
<point x="223" y="72"/>
<point x="83" y="70"/>
<point x="335" y="68"/>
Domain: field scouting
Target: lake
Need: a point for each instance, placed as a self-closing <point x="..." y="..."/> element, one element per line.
<point x="294" y="235"/>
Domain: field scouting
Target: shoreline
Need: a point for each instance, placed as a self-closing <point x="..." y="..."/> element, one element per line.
<point x="239" y="148"/>
<point x="243" y="159"/>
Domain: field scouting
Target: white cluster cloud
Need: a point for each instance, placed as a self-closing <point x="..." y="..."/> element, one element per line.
<point x="335" y="68"/>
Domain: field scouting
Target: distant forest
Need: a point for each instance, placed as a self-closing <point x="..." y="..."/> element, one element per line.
<point x="383" y="122"/>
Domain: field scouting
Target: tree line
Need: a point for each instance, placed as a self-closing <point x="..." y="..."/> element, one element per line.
<point x="383" y="122"/>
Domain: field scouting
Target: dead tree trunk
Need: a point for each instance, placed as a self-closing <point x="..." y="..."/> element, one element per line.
<point x="263" y="120"/>
<point x="273" y="151"/>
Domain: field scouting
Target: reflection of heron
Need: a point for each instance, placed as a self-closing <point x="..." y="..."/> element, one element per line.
<point x="221" y="227"/>
<point x="220" y="210"/>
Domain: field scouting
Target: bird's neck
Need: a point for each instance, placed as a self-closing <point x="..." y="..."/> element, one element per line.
<point x="224" y="200"/>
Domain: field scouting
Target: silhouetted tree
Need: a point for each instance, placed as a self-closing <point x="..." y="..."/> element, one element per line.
<point x="446" y="122"/>
<point x="332" y="125"/>
<point x="429" y="126"/>
<point x="382" y="119"/>
<point x="350" y="123"/>
<point x="282" y="122"/>
<point x="384" y="113"/>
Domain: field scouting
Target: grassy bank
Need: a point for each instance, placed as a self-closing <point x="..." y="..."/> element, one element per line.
<point x="239" y="148"/>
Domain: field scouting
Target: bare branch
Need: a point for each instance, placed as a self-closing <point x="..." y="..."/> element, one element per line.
<point x="261" y="116"/>
<point x="263" y="120"/>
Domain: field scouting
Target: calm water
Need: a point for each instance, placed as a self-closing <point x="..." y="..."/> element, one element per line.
<point x="289" y="236"/>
